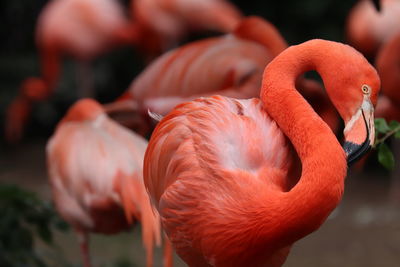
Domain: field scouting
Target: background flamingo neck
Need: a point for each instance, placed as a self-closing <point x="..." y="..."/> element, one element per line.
<point x="306" y="206"/>
<point x="50" y="65"/>
<point x="262" y="32"/>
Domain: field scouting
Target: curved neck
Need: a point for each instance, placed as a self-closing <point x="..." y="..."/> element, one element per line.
<point x="311" y="200"/>
<point x="388" y="66"/>
<point x="261" y="31"/>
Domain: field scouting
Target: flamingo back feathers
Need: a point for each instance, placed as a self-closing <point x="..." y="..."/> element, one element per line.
<point x="83" y="158"/>
<point x="251" y="139"/>
<point x="187" y="71"/>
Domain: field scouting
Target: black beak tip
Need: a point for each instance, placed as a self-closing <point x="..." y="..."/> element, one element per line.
<point x="354" y="151"/>
<point x="377" y="4"/>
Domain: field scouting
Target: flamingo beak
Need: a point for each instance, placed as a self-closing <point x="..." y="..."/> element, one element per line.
<point x="359" y="132"/>
<point x="377" y="4"/>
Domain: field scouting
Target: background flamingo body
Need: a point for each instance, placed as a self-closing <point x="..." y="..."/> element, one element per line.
<point x="230" y="65"/>
<point x="224" y="177"/>
<point x="368" y="28"/>
<point x="95" y="169"/>
<point x="163" y="23"/>
<point x="82" y="29"/>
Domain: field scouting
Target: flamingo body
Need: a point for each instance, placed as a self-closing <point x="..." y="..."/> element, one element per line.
<point x="187" y="71"/>
<point x="166" y="22"/>
<point x="387" y="64"/>
<point x="245" y="138"/>
<point x="95" y="169"/>
<point x="82" y="28"/>
<point x="368" y="29"/>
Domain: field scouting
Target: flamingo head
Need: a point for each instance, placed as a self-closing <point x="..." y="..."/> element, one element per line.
<point x="85" y="109"/>
<point x="34" y="89"/>
<point x="354" y="93"/>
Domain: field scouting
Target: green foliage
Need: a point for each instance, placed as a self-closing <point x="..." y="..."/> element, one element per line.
<point x="383" y="131"/>
<point x="381" y="126"/>
<point x="385" y="156"/>
<point x="23" y="216"/>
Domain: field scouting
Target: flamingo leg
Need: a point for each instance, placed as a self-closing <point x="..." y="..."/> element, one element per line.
<point x="168" y="253"/>
<point x="83" y="238"/>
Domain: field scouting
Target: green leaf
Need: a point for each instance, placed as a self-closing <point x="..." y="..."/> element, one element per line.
<point x="381" y="125"/>
<point x="395" y="126"/>
<point x="385" y="156"/>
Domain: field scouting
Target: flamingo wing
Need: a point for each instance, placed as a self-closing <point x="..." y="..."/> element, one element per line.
<point x="207" y="67"/>
<point x="204" y="163"/>
<point x="84" y="159"/>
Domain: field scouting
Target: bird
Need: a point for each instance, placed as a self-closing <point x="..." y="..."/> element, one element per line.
<point x="162" y="24"/>
<point x="95" y="172"/>
<point x="372" y="23"/>
<point x="224" y="173"/>
<point x="229" y="65"/>
<point x="82" y="29"/>
<point x="388" y="107"/>
<point x="386" y="63"/>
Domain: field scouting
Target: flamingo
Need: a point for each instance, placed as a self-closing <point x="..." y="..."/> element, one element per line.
<point x="372" y="23"/>
<point x="163" y="23"/>
<point x="222" y="171"/>
<point x="387" y="64"/>
<point x="82" y="29"/>
<point x="229" y="65"/>
<point x="95" y="171"/>
<point x="388" y="107"/>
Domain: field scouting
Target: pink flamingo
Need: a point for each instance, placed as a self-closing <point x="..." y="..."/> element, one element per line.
<point x="163" y="23"/>
<point x="221" y="171"/>
<point x="230" y="65"/>
<point x="369" y="26"/>
<point x="387" y="64"/>
<point x="95" y="170"/>
<point x="82" y="29"/>
<point x="388" y="107"/>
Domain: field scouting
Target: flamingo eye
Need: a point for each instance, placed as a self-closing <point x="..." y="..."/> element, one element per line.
<point x="365" y="89"/>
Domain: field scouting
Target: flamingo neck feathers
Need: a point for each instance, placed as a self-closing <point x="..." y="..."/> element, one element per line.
<point x="306" y="206"/>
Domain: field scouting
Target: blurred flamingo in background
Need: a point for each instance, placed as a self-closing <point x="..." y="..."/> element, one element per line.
<point x="229" y="65"/>
<point x="221" y="171"/>
<point x="95" y="169"/>
<point x="372" y="23"/>
<point x="164" y="23"/>
<point x="388" y="66"/>
<point x="82" y="29"/>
